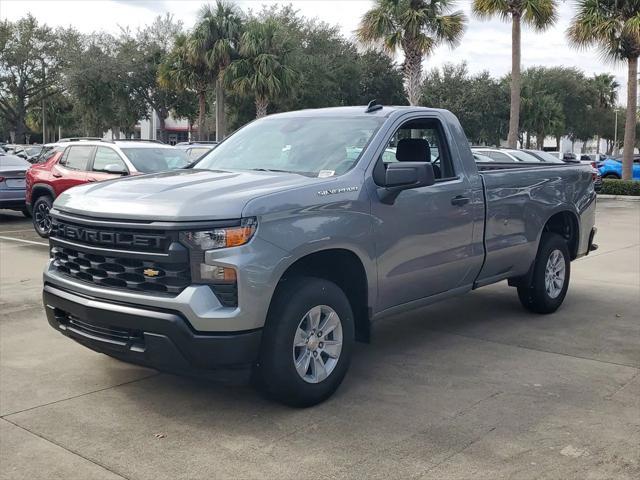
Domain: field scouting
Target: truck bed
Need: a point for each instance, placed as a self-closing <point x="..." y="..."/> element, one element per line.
<point x="519" y="199"/>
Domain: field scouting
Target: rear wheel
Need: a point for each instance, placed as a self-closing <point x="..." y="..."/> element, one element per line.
<point x="550" y="279"/>
<point x="41" y="215"/>
<point x="612" y="176"/>
<point x="307" y="342"/>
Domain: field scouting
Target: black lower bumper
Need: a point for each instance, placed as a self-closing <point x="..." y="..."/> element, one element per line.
<point x="157" y="338"/>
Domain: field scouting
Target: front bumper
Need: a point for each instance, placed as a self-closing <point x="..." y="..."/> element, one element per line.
<point x="158" y="338"/>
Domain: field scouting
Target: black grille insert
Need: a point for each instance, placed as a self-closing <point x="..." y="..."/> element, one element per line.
<point x="117" y="335"/>
<point x="120" y="272"/>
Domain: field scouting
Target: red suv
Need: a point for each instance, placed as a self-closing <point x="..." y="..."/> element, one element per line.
<point x="79" y="161"/>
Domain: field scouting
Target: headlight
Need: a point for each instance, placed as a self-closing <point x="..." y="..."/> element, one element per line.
<point x="221" y="237"/>
<point x="202" y="240"/>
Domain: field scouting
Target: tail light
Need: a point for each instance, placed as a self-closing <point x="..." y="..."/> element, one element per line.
<point x="593" y="164"/>
<point x="1" y="179"/>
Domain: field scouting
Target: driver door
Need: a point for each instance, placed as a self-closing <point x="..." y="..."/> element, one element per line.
<point x="424" y="239"/>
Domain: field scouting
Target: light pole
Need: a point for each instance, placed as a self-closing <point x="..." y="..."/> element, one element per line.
<point x="44" y="82"/>
<point x="615" y="134"/>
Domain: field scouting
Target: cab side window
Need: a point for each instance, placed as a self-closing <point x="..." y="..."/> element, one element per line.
<point x="77" y="157"/>
<point x="107" y="156"/>
<point x="421" y="140"/>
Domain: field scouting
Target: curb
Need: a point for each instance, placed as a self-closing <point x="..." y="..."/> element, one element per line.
<point x="625" y="198"/>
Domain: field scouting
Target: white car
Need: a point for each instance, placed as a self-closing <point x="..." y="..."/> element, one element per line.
<point x="505" y="155"/>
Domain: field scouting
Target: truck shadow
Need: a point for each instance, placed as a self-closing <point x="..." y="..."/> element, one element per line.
<point x="417" y="341"/>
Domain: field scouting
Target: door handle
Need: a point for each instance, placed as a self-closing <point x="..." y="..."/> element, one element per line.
<point x="56" y="174"/>
<point x="459" y="200"/>
<point x="91" y="179"/>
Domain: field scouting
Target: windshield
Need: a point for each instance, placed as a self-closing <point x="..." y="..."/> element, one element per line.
<point x="33" y="150"/>
<point x="151" y="160"/>
<point x="313" y="146"/>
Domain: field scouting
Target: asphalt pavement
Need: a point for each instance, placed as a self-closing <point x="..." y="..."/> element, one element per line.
<point x="470" y="388"/>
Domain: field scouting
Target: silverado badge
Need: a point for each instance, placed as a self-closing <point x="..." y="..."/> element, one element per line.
<point x="150" y="272"/>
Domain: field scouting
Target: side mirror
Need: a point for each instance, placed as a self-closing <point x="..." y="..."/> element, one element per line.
<point x="403" y="176"/>
<point x="115" y="168"/>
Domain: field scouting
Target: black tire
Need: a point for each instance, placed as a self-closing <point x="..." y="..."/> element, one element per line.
<point x="25" y="211"/>
<point x="611" y="176"/>
<point x="536" y="297"/>
<point x="41" y="216"/>
<point x="275" y="373"/>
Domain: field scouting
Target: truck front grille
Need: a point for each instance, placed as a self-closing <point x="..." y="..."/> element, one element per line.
<point x="120" y="272"/>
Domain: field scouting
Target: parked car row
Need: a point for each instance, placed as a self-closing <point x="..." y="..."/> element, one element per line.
<point x="32" y="185"/>
<point x="26" y="152"/>
<point x="504" y="155"/>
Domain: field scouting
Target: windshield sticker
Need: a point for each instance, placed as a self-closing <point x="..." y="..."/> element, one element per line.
<point x="326" y="173"/>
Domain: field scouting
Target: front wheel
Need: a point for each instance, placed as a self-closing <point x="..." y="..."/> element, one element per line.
<point x="550" y="281"/>
<point x="307" y="342"/>
<point x="41" y="216"/>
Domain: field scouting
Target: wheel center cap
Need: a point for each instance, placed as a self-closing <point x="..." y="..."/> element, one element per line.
<point x="312" y="342"/>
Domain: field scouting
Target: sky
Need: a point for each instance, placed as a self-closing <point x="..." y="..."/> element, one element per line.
<point x="486" y="44"/>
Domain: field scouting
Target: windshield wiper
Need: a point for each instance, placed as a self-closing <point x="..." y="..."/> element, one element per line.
<point x="271" y="170"/>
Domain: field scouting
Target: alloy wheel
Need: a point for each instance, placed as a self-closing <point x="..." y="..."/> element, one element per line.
<point x="317" y="344"/>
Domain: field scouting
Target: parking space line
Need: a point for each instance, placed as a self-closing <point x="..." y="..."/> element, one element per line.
<point x="23" y="241"/>
<point x="17" y="231"/>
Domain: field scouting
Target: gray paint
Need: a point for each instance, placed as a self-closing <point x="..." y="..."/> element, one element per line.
<point x="418" y="250"/>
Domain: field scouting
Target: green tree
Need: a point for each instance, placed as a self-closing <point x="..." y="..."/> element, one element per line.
<point x="32" y="58"/>
<point x="98" y="80"/>
<point x="263" y="70"/>
<point x="540" y="14"/>
<point x="614" y="27"/>
<point x="140" y="57"/>
<point x="214" y="41"/>
<point x="187" y="72"/>
<point x="416" y="27"/>
<point x="380" y="79"/>
<point x="479" y="101"/>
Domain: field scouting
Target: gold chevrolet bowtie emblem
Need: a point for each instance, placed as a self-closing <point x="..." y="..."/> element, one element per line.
<point x="150" y="272"/>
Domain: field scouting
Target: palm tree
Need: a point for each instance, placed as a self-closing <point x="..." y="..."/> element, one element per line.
<point x="262" y="69"/>
<point x="614" y="26"/>
<point x="605" y="87"/>
<point x="215" y="41"/>
<point x="540" y="14"/>
<point x="183" y="70"/>
<point x="416" y="27"/>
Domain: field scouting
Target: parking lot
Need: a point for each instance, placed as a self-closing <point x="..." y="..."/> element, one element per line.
<point x="474" y="387"/>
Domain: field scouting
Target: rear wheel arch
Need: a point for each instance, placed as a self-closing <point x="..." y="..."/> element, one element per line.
<point x="39" y="189"/>
<point x="566" y="224"/>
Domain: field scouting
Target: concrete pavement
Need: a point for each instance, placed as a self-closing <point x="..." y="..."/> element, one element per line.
<point x="474" y="387"/>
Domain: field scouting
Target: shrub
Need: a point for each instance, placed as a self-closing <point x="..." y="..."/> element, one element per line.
<point x="620" y="187"/>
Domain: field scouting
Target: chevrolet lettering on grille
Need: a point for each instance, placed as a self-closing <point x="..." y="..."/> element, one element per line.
<point x="105" y="237"/>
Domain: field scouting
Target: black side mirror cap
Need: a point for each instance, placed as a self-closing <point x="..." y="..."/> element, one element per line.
<point x="406" y="175"/>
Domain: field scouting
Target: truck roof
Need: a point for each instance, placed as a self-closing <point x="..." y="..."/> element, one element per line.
<point x="385" y="111"/>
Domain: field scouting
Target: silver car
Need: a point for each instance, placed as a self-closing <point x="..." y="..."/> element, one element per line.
<point x="12" y="182"/>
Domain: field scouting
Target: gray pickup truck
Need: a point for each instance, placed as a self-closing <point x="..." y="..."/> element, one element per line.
<point x="283" y="245"/>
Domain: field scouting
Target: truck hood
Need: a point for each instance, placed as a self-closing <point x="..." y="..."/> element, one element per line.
<point x="180" y="195"/>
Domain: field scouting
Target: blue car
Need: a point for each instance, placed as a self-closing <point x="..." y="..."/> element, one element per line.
<point x="612" y="168"/>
